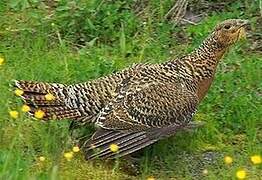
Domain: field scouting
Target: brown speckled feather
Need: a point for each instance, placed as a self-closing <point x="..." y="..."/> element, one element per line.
<point x="156" y="105"/>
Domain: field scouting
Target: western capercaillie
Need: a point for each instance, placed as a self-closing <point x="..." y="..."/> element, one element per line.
<point x="138" y="105"/>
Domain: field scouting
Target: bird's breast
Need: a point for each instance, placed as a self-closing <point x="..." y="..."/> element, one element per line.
<point x="203" y="87"/>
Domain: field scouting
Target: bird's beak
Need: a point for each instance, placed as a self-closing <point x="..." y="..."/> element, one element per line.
<point x="243" y="23"/>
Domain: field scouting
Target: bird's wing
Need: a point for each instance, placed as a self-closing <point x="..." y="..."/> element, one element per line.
<point x="99" y="145"/>
<point x="154" y="105"/>
<point x="140" y="118"/>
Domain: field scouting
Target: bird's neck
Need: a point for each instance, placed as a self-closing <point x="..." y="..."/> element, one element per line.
<point x="198" y="68"/>
<point x="205" y="58"/>
<point x="202" y="62"/>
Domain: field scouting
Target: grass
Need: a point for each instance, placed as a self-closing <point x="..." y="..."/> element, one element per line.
<point x="36" y="49"/>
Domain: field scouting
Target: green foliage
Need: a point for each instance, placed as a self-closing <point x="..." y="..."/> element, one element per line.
<point x="19" y="5"/>
<point x="88" y="20"/>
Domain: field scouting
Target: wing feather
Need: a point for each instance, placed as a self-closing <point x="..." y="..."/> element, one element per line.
<point x="158" y="105"/>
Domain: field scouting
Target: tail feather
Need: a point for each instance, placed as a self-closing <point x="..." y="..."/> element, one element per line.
<point x="58" y="113"/>
<point x="37" y="87"/>
<point x="127" y="142"/>
<point x="34" y="95"/>
<point x="40" y="100"/>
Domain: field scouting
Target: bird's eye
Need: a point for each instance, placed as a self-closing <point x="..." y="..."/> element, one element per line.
<point x="227" y="26"/>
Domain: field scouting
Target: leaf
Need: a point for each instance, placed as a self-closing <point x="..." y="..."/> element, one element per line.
<point x="62" y="8"/>
<point x="92" y="42"/>
<point x="24" y="4"/>
<point x="19" y="4"/>
<point x="90" y="24"/>
<point x="122" y="41"/>
<point x="13" y="3"/>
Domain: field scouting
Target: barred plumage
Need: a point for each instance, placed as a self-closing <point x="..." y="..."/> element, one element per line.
<point x="139" y="105"/>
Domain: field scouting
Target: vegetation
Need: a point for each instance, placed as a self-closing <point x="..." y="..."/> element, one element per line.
<point x="75" y="41"/>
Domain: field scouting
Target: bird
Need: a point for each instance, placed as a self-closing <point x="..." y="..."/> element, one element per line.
<point x="139" y="105"/>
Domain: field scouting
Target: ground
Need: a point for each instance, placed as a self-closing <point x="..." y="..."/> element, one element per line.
<point x="75" y="41"/>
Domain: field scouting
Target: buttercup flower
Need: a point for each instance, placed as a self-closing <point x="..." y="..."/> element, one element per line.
<point x="68" y="156"/>
<point x="14" y="114"/>
<point x="241" y="174"/>
<point x="76" y="149"/>
<point x="205" y="171"/>
<point x="41" y="158"/>
<point x="39" y="114"/>
<point x="2" y="60"/>
<point x="19" y="92"/>
<point x="49" y="97"/>
<point x="151" y="178"/>
<point x="114" y="147"/>
<point x="25" y="108"/>
<point x="228" y="160"/>
<point x="256" y="159"/>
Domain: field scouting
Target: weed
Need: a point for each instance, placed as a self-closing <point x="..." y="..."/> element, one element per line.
<point x="75" y="41"/>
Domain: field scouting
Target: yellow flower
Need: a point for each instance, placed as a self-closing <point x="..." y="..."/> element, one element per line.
<point x="205" y="171"/>
<point x="256" y="159"/>
<point x="49" y="97"/>
<point x="41" y="158"/>
<point x="2" y="60"/>
<point x="68" y="156"/>
<point x="241" y="174"/>
<point x="14" y="114"/>
<point x="25" y="108"/>
<point x="19" y="92"/>
<point x="151" y="178"/>
<point x="39" y="114"/>
<point x="228" y="160"/>
<point x="76" y="149"/>
<point x="114" y="147"/>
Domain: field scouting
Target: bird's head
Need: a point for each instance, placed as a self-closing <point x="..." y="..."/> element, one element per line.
<point x="229" y="31"/>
